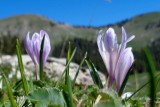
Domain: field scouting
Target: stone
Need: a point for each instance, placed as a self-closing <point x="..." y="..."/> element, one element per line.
<point x="53" y="69"/>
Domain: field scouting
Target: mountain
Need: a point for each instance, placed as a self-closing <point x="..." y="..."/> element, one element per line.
<point x="20" y="25"/>
<point x="145" y="27"/>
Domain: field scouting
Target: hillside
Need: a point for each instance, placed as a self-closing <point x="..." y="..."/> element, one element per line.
<point x="145" y="27"/>
<point x="20" y="25"/>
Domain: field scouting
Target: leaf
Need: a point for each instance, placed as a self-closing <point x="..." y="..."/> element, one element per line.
<point x="135" y="103"/>
<point x="46" y="97"/>
<point x="39" y="83"/>
<point x="109" y="98"/>
<point x="94" y="74"/>
<point x="5" y="104"/>
<point x="105" y="104"/>
<point x="59" y="100"/>
<point x="41" y="60"/>
<point x="18" y="84"/>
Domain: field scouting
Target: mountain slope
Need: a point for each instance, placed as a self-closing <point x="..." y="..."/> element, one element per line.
<point x="145" y="27"/>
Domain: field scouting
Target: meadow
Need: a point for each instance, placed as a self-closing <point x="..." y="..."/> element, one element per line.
<point x="40" y="91"/>
<point x="134" y="83"/>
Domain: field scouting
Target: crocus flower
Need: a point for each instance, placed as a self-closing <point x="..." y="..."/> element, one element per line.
<point x="117" y="58"/>
<point x="33" y="46"/>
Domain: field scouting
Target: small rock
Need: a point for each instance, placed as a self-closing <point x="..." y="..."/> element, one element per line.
<point x="53" y="69"/>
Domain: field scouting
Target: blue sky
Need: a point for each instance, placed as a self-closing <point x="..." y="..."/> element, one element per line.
<point x="80" y="12"/>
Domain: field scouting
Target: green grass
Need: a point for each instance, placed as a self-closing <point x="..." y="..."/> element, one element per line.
<point x="136" y="81"/>
<point x="87" y="94"/>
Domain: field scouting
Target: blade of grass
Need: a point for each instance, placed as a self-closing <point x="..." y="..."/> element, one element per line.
<point x="41" y="60"/>
<point x="73" y="53"/>
<point x="20" y="63"/>
<point x="94" y="74"/>
<point x="68" y="81"/>
<point x="157" y="85"/>
<point x="1" y="83"/>
<point x="138" y="90"/>
<point x="76" y="75"/>
<point x="9" y="89"/>
<point x="141" y="88"/>
<point x="70" y="59"/>
<point x="17" y="84"/>
<point x="30" y="84"/>
<point x="151" y="71"/>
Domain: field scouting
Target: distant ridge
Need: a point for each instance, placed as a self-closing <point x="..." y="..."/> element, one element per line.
<point x="145" y="27"/>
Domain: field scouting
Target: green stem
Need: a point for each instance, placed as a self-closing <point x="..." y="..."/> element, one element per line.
<point x="37" y="72"/>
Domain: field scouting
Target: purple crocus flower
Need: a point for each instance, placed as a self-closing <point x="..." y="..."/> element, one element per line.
<point x="117" y="58"/>
<point x="33" y="46"/>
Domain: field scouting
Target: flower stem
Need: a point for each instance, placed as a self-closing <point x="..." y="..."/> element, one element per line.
<point x="37" y="72"/>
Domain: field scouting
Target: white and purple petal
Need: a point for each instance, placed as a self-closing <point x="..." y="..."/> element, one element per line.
<point x="44" y="33"/>
<point x="117" y="58"/>
<point x="123" y="65"/>
<point x="110" y="40"/>
<point x="113" y="56"/>
<point x="36" y="41"/>
<point x="124" y="41"/>
<point x="130" y="38"/>
<point x="29" y="48"/>
<point x="124" y="35"/>
<point x="104" y="54"/>
<point x="33" y="47"/>
<point x="46" y="50"/>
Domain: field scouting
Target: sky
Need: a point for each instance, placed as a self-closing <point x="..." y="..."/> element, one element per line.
<point x="80" y="12"/>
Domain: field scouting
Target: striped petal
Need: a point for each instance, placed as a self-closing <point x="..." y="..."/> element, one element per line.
<point x="112" y="64"/>
<point x="123" y="65"/>
<point x="47" y="47"/>
<point x="104" y="54"/>
<point x="124" y="40"/>
<point x="110" y="40"/>
<point x="124" y="35"/>
<point x="117" y="58"/>
<point x="44" y="33"/>
<point x="36" y="41"/>
<point x="28" y="47"/>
